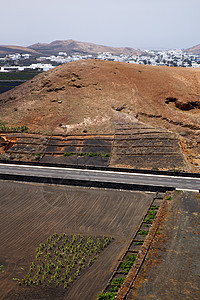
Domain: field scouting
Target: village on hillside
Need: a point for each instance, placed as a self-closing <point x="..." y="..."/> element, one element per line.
<point x="27" y="62"/>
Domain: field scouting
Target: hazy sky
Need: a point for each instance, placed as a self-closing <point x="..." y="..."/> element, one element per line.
<point x="133" y="23"/>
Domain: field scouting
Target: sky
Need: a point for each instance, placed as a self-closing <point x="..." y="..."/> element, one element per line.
<point x="139" y="24"/>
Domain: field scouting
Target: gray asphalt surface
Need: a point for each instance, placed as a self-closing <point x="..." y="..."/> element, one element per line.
<point x="102" y="176"/>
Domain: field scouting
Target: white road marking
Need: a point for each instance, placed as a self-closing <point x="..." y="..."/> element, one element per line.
<point x="189" y="190"/>
<point x="98" y="171"/>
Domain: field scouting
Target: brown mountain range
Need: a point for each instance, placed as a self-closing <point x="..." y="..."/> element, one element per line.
<point x="94" y="96"/>
<point x="8" y="49"/>
<point x="194" y="50"/>
<point x="71" y="46"/>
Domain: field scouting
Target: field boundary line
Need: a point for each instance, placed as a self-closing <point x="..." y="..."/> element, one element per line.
<point x="128" y="247"/>
<point x="132" y="275"/>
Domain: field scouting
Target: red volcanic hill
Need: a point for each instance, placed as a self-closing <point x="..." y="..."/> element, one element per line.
<point x="97" y="93"/>
<point x="93" y="96"/>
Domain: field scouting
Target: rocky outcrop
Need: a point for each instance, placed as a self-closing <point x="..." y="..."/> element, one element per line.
<point x="182" y="104"/>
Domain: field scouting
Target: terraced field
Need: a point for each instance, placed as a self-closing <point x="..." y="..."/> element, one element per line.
<point x="146" y="147"/>
<point x="32" y="213"/>
<point x="22" y="146"/>
<point x="79" y="150"/>
<point x="134" y="145"/>
<point x="73" y="150"/>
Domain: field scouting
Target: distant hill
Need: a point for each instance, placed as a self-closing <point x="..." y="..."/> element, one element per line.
<point x="7" y="49"/>
<point x="194" y="50"/>
<point x="68" y="46"/>
<point x="71" y="46"/>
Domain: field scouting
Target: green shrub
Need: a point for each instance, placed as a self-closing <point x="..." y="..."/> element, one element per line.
<point x="116" y="284"/>
<point x="154" y="207"/>
<point x="91" y="154"/>
<point x="105" y="155"/>
<point x="143" y="232"/>
<point x="138" y="243"/>
<point x="106" y="296"/>
<point x="22" y="128"/>
<point x="127" y="264"/>
<point x="88" y="154"/>
<point x="150" y="215"/>
<point x="37" y="154"/>
<point x="68" y="154"/>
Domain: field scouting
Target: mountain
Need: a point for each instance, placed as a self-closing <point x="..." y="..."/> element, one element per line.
<point x="94" y="96"/>
<point x="95" y="93"/>
<point x="5" y="49"/>
<point x="71" y="46"/>
<point x="194" y="50"/>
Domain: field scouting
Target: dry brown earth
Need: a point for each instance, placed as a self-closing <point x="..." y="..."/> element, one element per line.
<point x="72" y="46"/>
<point x="171" y="270"/>
<point x="95" y="95"/>
<point x="8" y="49"/>
<point x="194" y="50"/>
<point x="31" y="213"/>
<point x="145" y="147"/>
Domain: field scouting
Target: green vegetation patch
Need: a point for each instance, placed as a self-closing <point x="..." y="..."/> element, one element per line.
<point x="68" y="153"/>
<point x="116" y="284"/>
<point x="62" y="258"/>
<point x="143" y="232"/>
<point x="113" y="289"/>
<point x="106" y="296"/>
<point x="37" y="155"/>
<point x="127" y="263"/>
<point x="88" y="154"/>
<point x="151" y="214"/>
<point x="138" y="243"/>
<point x="1" y="269"/>
<point x="22" y="128"/>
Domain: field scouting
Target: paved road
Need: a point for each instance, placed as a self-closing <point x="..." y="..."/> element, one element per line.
<point x="102" y="176"/>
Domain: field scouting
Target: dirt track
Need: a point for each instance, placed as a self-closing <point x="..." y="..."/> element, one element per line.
<point x="172" y="268"/>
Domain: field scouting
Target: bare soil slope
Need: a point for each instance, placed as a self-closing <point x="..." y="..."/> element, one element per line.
<point x="93" y="96"/>
<point x="172" y="268"/>
<point x="194" y="50"/>
<point x="71" y="46"/>
<point x="8" y="49"/>
<point x="146" y="147"/>
<point x="31" y="213"/>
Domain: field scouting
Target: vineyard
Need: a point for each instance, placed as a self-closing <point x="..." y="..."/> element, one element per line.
<point x="73" y="150"/>
<point x="133" y="145"/>
<point x="64" y="241"/>
<point x="62" y="258"/>
<point x="145" y="147"/>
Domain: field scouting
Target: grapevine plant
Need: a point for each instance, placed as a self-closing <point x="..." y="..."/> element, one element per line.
<point x="62" y="258"/>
